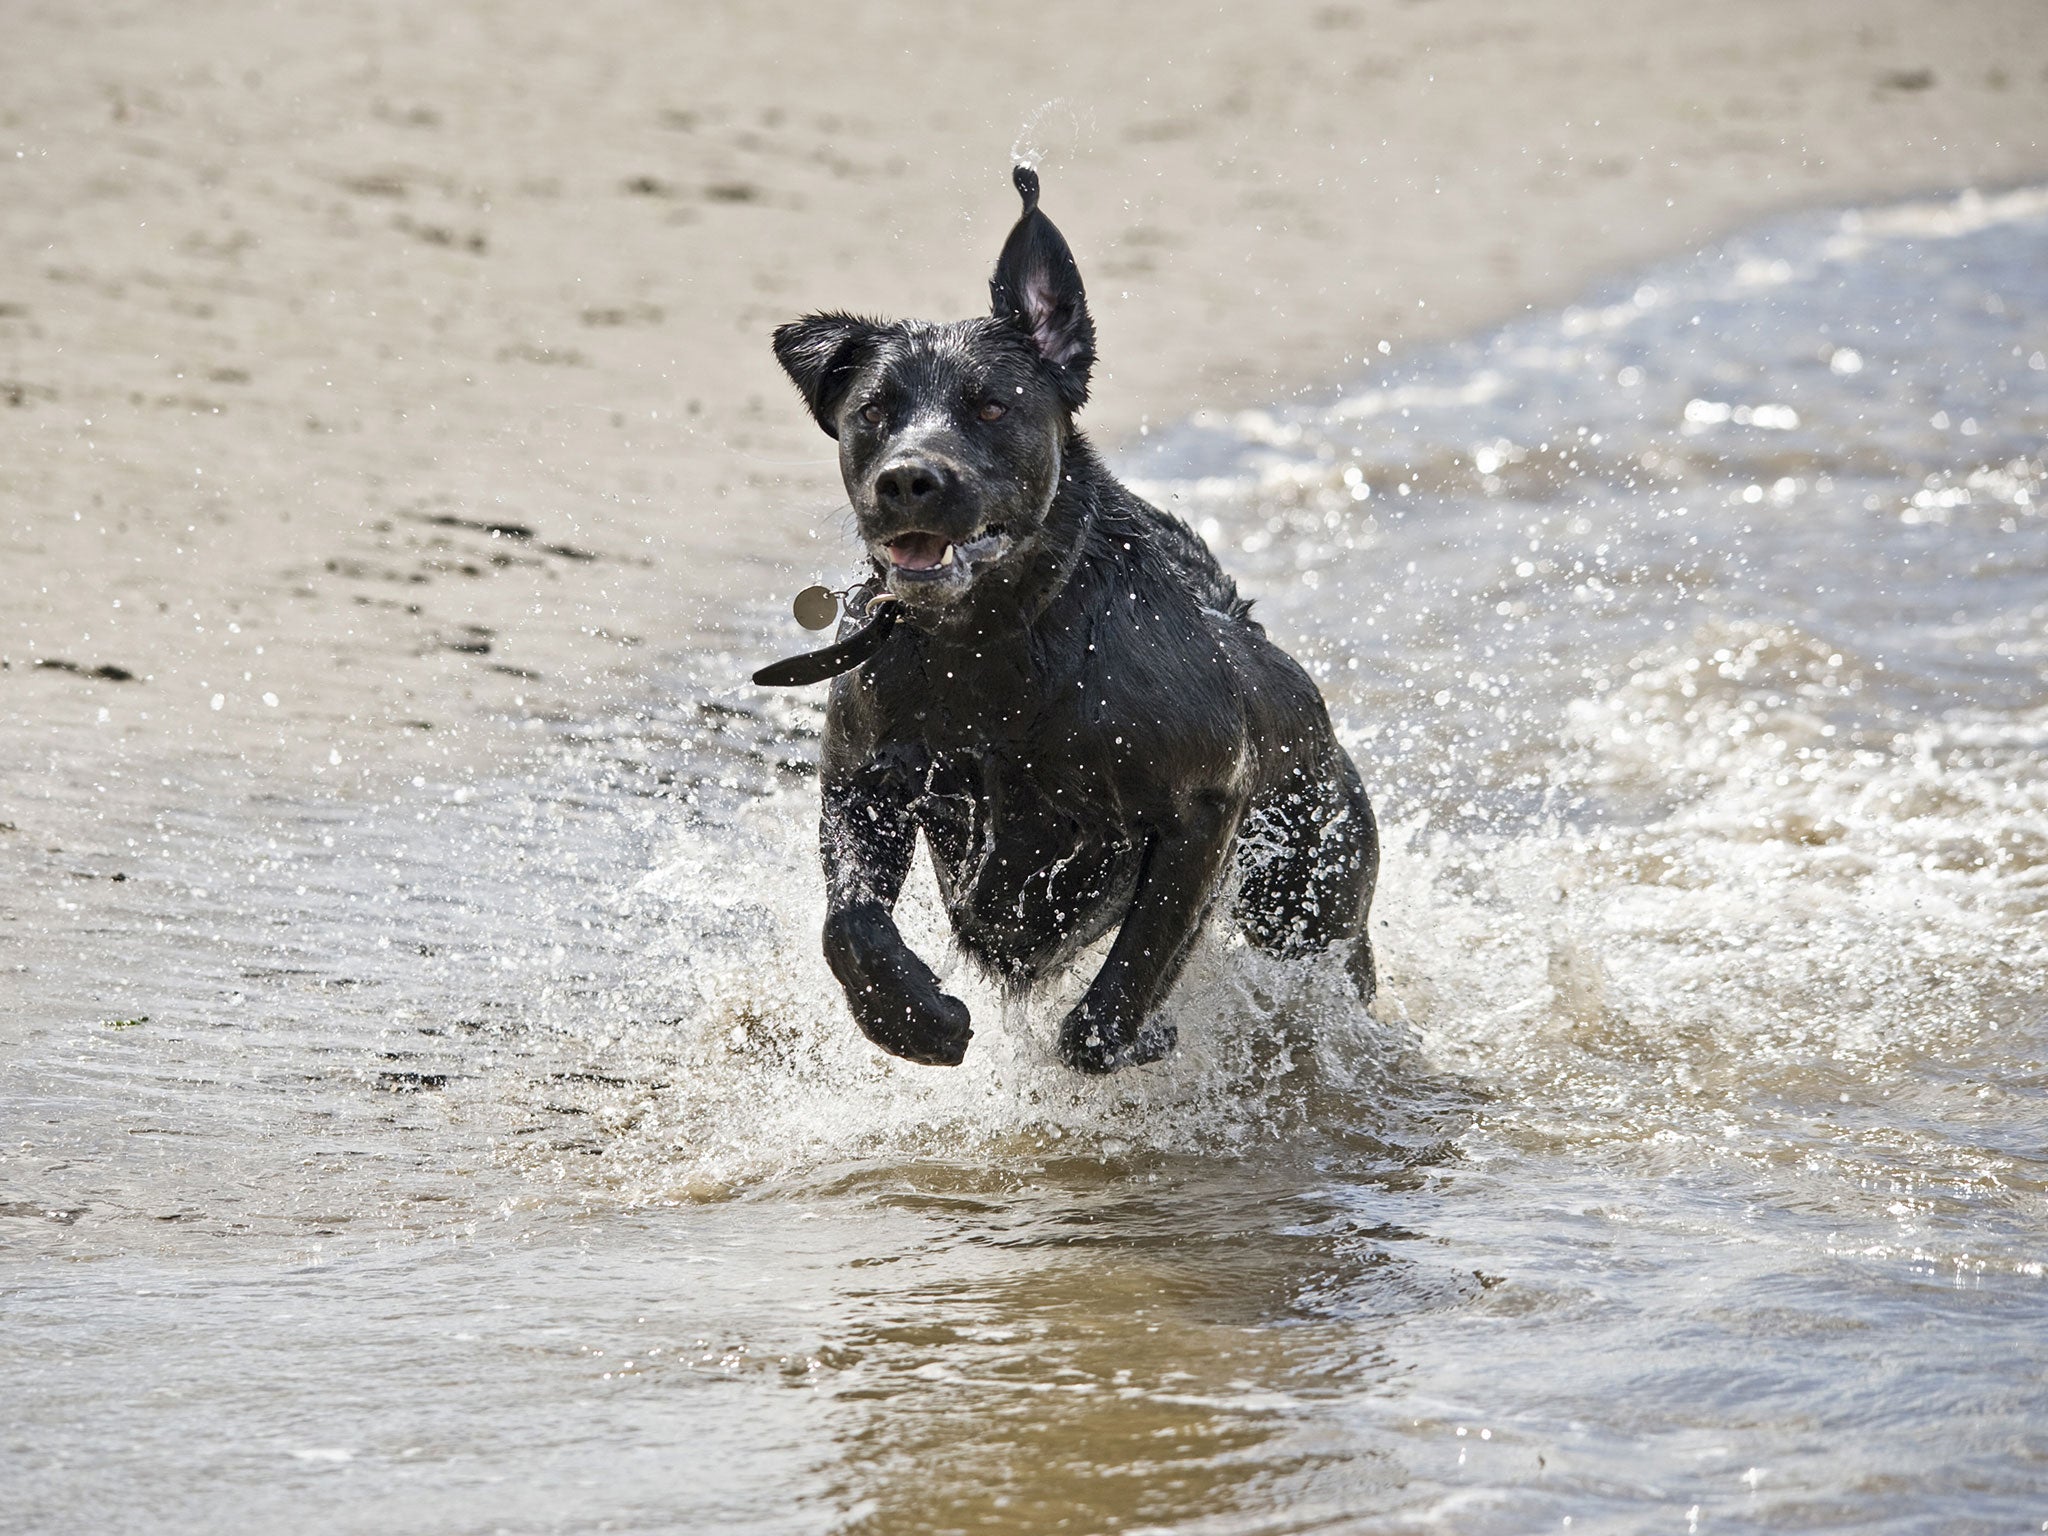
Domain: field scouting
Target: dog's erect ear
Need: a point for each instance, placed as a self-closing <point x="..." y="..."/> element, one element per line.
<point x="1038" y="286"/>
<point x="822" y="353"/>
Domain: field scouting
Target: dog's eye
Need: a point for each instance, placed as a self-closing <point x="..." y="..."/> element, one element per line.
<point x="994" y="410"/>
<point x="871" y="413"/>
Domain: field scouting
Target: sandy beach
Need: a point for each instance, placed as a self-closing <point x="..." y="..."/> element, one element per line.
<point x="367" y="374"/>
<point x="426" y="1107"/>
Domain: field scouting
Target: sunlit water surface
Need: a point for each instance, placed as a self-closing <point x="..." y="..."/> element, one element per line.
<point x="497" y="1155"/>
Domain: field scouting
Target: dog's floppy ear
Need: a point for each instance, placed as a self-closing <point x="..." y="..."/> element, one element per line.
<point x="821" y="353"/>
<point x="1038" y="286"/>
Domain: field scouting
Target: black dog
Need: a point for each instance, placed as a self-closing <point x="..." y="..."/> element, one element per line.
<point x="1075" y="708"/>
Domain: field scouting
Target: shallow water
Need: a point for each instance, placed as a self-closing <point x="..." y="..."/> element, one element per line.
<point x="494" y="1153"/>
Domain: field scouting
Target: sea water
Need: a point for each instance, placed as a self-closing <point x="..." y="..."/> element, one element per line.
<point x="497" y="1154"/>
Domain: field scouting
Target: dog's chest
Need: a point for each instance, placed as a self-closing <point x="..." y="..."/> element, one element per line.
<point x="1038" y="712"/>
<point x="1028" y="864"/>
<point x="1026" y="792"/>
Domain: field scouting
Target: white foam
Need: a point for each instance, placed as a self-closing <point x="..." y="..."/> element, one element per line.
<point x="744" y="1063"/>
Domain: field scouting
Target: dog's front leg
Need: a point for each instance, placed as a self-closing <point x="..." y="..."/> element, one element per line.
<point x="867" y="837"/>
<point x="1113" y="1024"/>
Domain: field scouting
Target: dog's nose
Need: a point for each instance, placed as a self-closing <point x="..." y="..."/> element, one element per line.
<point x="910" y="485"/>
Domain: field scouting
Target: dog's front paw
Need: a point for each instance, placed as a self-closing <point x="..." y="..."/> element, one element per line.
<point x="1100" y="1040"/>
<point x="894" y="995"/>
<point x="932" y="1031"/>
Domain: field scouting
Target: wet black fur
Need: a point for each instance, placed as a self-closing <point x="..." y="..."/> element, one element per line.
<point x="1087" y="725"/>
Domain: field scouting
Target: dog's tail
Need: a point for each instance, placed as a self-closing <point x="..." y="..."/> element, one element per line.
<point x="1027" y="186"/>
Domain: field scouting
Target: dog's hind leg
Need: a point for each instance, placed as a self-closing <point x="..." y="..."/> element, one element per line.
<point x="1112" y="1026"/>
<point x="866" y="838"/>
<point x="1310" y="855"/>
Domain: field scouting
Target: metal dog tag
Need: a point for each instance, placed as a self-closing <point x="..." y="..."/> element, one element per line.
<point x="816" y="607"/>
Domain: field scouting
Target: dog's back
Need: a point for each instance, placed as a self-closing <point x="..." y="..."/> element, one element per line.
<point x="1176" y="548"/>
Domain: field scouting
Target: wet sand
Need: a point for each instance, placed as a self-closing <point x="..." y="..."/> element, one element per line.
<point x="407" y="367"/>
<point x="426" y="1106"/>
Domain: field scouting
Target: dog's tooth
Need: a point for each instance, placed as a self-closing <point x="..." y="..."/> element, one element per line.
<point x="947" y="557"/>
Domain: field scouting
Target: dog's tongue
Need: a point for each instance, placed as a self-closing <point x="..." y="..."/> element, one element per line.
<point x="917" y="551"/>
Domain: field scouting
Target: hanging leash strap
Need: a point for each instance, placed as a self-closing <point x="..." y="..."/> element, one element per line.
<point x="843" y="656"/>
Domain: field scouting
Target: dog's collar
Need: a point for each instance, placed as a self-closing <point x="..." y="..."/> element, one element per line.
<point x="843" y="655"/>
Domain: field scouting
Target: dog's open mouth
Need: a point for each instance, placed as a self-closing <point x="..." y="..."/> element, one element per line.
<point x="933" y="557"/>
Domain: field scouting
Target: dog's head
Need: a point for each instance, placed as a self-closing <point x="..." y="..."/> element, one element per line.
<point x="951" y="437"/>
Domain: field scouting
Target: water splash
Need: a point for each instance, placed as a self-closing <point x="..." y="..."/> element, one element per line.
<point x="1053" y="127"/>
